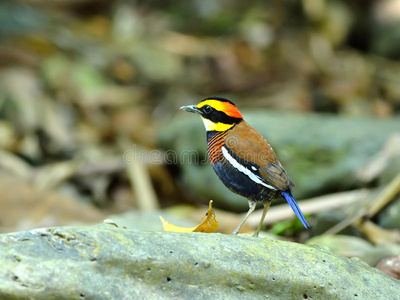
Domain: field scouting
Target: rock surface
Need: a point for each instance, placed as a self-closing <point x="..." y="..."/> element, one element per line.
<point x="106" y="262"/>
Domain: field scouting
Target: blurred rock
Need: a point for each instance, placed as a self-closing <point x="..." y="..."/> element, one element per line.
<point x="345" y="245"/>
<point x="319" y="152"/>
<point x="390" y="216"/>
<point x="390" y="266"/>
<point x="327" y="219"/>
<point x="378" y="253"/>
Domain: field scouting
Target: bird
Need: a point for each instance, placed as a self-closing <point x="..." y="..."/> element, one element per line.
<point x="243" y="160"/>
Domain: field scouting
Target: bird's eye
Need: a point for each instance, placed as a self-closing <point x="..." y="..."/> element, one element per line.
<point x="207" y="109"/>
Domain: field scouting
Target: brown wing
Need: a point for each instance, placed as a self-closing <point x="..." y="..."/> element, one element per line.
<point x="250" y="146"/>
<point x="276" y="175"/>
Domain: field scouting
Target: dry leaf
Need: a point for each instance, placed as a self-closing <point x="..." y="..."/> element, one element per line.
<point x="208" y="225"/>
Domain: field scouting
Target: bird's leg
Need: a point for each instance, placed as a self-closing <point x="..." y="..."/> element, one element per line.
<point x="267" y="204"/>
<point x="252" y="206"/>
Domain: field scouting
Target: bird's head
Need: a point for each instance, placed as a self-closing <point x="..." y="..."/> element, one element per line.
<point x="218" y="114"/>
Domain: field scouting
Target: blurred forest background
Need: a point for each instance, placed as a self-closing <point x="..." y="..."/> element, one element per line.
<point x="88" y="85"/>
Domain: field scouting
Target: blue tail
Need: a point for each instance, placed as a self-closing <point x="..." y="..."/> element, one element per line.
<point x="293" y="204"/>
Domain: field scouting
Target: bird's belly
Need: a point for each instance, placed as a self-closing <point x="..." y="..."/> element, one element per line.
<point x="241" y="184"/>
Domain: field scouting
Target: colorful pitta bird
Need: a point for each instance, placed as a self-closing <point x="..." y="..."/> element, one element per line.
<point x="243" y="159"/>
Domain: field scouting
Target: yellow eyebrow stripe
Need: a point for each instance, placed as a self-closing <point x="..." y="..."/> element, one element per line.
<point x="218" y="105"/>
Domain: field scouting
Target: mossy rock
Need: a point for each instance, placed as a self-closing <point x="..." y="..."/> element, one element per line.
<point x="106" y="262"/>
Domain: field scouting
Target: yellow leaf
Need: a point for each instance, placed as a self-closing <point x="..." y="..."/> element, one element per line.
<point x="208" y="225"/>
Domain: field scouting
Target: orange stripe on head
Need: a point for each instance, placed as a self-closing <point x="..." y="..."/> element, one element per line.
<point x="227" y="107"/>
<point x="232" y="111"/>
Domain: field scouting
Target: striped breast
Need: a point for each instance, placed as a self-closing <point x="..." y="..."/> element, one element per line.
<point x="215" y="141"/>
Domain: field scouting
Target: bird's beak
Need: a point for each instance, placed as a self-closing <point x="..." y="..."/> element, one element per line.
<point x="191" y="108"/>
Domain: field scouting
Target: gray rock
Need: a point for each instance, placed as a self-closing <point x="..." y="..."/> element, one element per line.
<point x="327" y="219"/>
<point x="390" y="216"/>
<point x="320" y="152"/>
<point x="346" y="245"/>
<point x="149" y="220"/>
<point x="106" y="262"/>
<point x="377" y="253"/>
